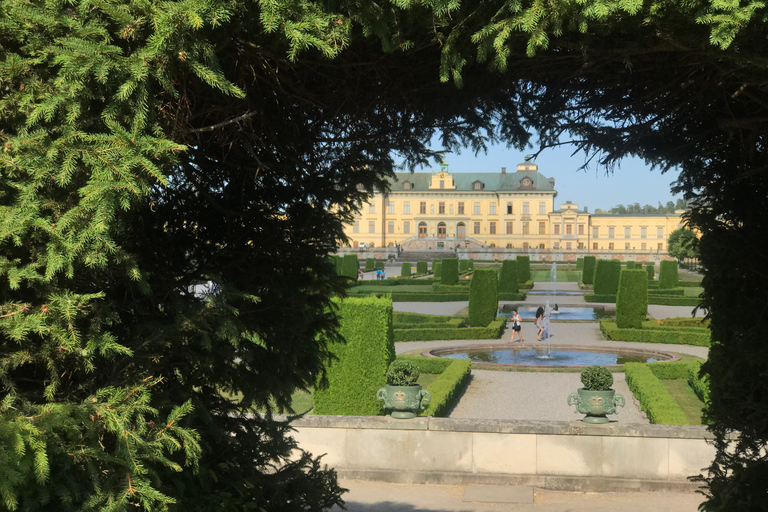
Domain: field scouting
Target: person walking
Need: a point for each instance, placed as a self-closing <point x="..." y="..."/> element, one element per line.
<point x="539" y="322"/>
<point x="517" y="326"/>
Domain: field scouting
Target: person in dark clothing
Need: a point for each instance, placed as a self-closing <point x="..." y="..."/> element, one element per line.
<point x="539" y="322"/>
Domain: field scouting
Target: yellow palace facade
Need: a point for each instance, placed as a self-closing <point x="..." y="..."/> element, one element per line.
<point x="506" y="210"/>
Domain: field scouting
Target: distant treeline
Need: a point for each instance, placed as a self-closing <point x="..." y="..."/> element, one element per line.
<point x="636" y="209"/>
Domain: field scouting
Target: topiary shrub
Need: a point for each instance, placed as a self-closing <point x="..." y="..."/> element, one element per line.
<point x="523" y="269"/>
<point x="422" y="267"/>
<point x="402" y="373"/>
<point x="436" y="268"/>
<point x="630" y="265"/>
<point x="349" y="266"/>
<point x="405" y="269"/>
<point x="464" y="265"/>
<point x="650" y="268"/>
<point x="508" y="282"/>
<point x="667" y="274"/>
<point x="449" y="271"/>
<point x="607" y="277"/>
<point x="632" y="299"/>
<point x="579" y="263"/>
<point x="361" y="364"/>
<point x="483" y="297"/>
<point x="588" y="275"/>
<point x="596" y="378"/>
<point x="369" y="264"/>
<point x="335" y="262"/>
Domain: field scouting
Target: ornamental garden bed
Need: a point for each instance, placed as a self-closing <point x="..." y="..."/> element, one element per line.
<point x="421" y="327"/>
<point x="669" y="393"/>
<point x="652" y="332"/>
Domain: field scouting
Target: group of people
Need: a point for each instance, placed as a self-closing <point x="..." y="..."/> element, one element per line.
<point x="517" y="324"/>
<point x="379" y="274"/>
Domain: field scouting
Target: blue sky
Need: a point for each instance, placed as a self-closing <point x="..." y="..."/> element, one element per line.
<point x="632" y="182"/>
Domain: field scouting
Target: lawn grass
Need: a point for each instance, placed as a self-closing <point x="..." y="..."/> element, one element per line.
<point x="694" y="291"/>
<point x="563" y="276"/>
<point x="367" y="288"/>
<point x="686" y="399"/>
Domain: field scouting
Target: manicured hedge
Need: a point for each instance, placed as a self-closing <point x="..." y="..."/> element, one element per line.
<point x="415" y="318"/>
<point x="492" y="331"/>
<point x="405" y="269"/>
<point x="449" y="272"/>
<point x="436" y="269"/>
<point x="452" y="324"/>
<point x="392" y="281"/>
<point x="335" y="262"/>
<point x="688" y="284"/>
<point x="349" y="266"/>
<point x="668" y="274"/>
<point x="378" y="265"/>
<point x="428" y="297"/>
<point x="653" y="396"/>
<point x="588" y="275"/>
<point x="465" y="265"/>
<point x="508" y="277"/>
<point x="509" y="296"/>
<point x="632" y="299"/>
<point x="675" y="370"/>
<point x="462" y="287"/>
<point x="657" y="299"/>
<point x="483" y="297"/>
<point x="422" y="267"/>
<point x="700" y="337"/>
<point x="673" y="291"/>
<point x="579" y="263"/>
<point x="361" y="365"/>
<point x="523" y="268"/>
<point x="651" y="269"/>
<point x="699" y="384"/>
<point x="607" y="277"/>
<point x="528" y="285"/>
<point x="370" y="264"/>
<point x="447" y="388"/>
<point x="685" y="322"/>
<point x="432" y="365"/>
<point x="630" y="265"/>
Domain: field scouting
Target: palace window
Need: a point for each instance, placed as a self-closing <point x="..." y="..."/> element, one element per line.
<point x="643" y="232"/>
<point x="660" y="247"/>
<point x="595" y="232"/>
<point x="509" y="228"/>
<point x="581" y="246"/>
<point x="391" y="227"/>
<point x="626" y="246"/>
<point x="407" y="207"/>
<point x="568" y="246"/>
<point x="372" y="208"/>
<point x="476" y="228"/>
<point x="557" y="229"/>
<point x="493" y="228"/>
<point x="423" y="207"/>
<point x="610" y="232"/>
<point x="659" y="232"/>
<point x="460" y="207"/>
<point x="627" y="232"/>
<point x="610" y="246"/>
<point x="493" y="209"/>
<point x="581" y="229"/>
<point x="643" y="246"/>
<point x="542" y="228"/>
<point x="525" y="228"/>
<point x="569" y="229"/>
<point x="542" y="208"/>
<point x="371" y="226"/>
<point x="526" y="208"/>
<point x="391" y="207"/>
<point x="441" y="208"/>
<point x="356" y="227"/>
<point x="406" y="227"/>
<point x="594" y="246"/>
<point x="557" y="245"/>
<point x="509" y="208"/>
<point x="442" y="183"/>
<point x="477" y="208"/>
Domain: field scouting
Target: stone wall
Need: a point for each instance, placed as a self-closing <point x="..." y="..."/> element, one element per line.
<point x="549" y="454"/>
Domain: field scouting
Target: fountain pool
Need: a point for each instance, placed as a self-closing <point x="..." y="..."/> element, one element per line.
<point x="557" y="356"/>
<point x="589" y="313"/>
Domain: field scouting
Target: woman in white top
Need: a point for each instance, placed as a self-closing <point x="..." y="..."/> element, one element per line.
<point x="517" y="326"/>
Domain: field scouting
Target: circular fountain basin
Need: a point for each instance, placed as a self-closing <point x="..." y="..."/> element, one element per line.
<point x="561" y="356"/>
<point x="564" y="313"/>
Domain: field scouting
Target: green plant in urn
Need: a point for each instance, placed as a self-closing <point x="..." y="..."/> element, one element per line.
<point x="402" y="395"/>
<point x="596" y="399"/>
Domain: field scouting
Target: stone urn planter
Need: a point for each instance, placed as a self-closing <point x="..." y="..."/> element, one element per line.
<point x="402" y="395"/>
<point x="596" y="399"/>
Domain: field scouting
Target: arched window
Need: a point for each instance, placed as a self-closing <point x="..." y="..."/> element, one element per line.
<point x="422" y="229"/>
<point x="509" y="246"/>
<point x="461" y="230"/>
<point x="441" y="230"/>
<point x="541" y="246"/>
<point x="525" y="245"/>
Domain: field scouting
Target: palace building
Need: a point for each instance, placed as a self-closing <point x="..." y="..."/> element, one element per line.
<point x="506" y="210"/>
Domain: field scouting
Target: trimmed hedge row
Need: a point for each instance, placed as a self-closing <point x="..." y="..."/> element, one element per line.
<point x="700" y="338"/>
<point x="523" y="268"/>
<point x="689" y="284"/>
<point x="405" y="269"/>
<point x="653" y="396"/>
<point x="508" y="281"/>
<point x="686" y="322"/>
<point x="462" y="287"/>
<point x="528" y="285"/>
<point x="651" y="269"/>
<point x="415" y="318"/>
<point x="437" y="266"/>
<point x="483" y="297"/>
<point x="445" y="389"/>
<point x="699" y="385"/>
<point x="466" y="265"/>
<point x="360" y="367"/>
<point x="449" y="272"/>
<point x="369" y="264"/>
<point x="422" y="267"/>
<point x="579" y="263"/>
<point x="588" y="276"/>
<point x="675" y="370"/>
<point x="454" y="323"/>
<point x="632" y="298"/>
<point x="395" y="281"/>
<point x="668" y="274"/>
<point x="607" y="275"/>
<point x="512" y="296"/>
<point x="432" y="365"/>
<point x="673" y="291"/>
<point x="659" y="300"/>
<point x="492" y="331"/>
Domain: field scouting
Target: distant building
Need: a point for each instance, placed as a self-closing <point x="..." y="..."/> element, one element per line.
<point x="515" y="210"/>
